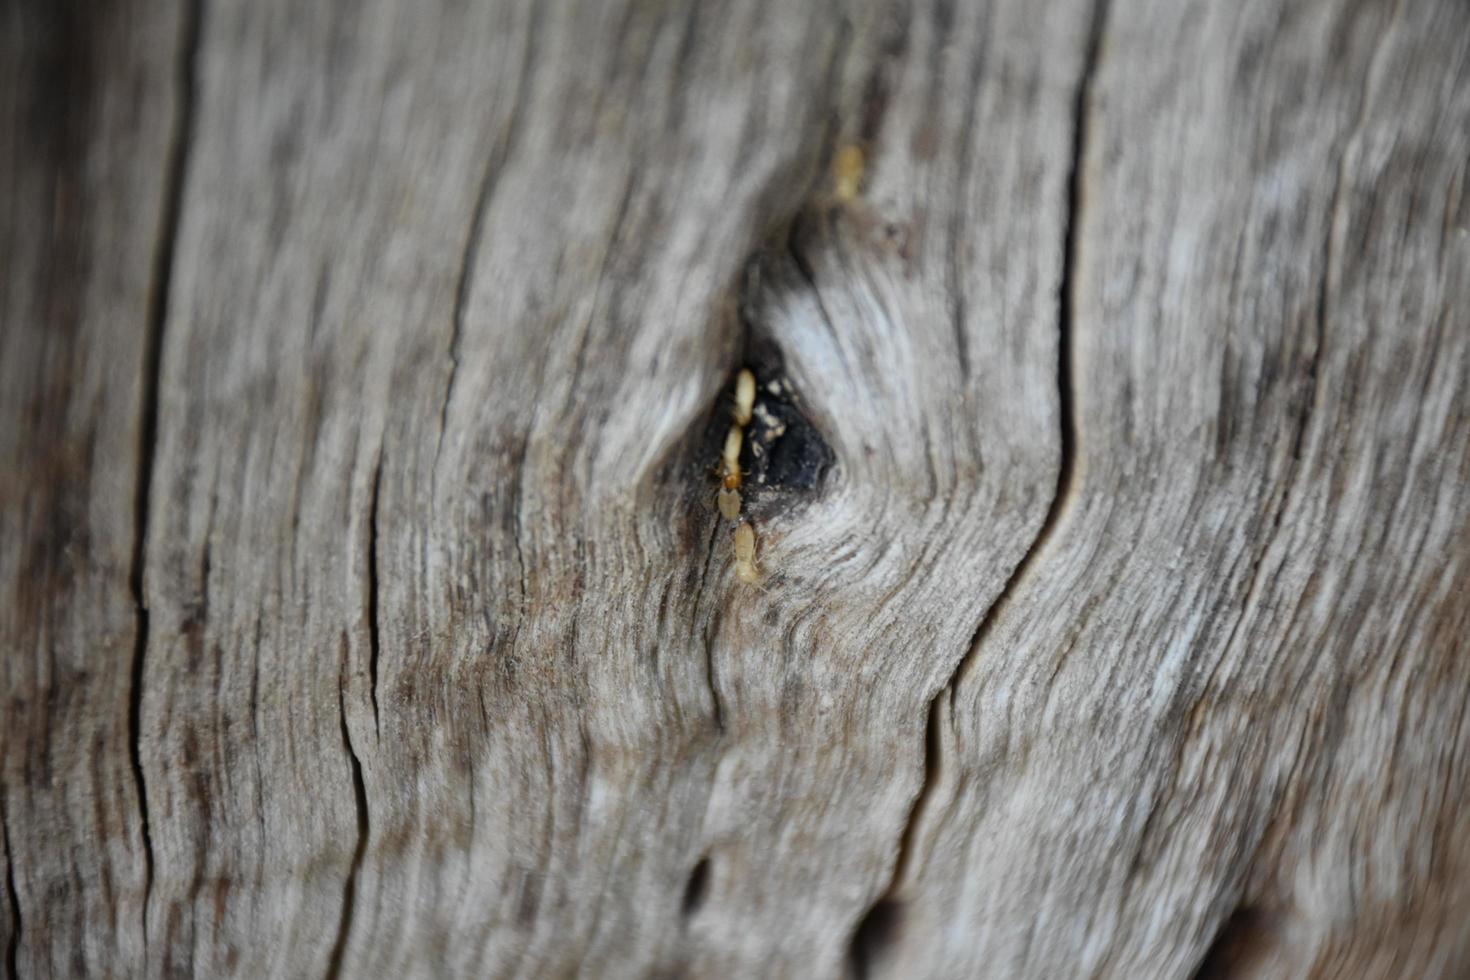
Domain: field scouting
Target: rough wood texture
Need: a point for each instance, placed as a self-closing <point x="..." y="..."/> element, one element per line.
<point x="87" y="119"/>
<point x="365" y="610"/>
<point x="1228" y="696"/>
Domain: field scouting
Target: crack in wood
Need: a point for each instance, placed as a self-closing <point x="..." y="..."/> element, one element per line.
<point x="374" y="636"/>
<point x="191" y="18"/>
<point x="359" y="795"/>
<point x="135" y="754"/>
<point x="696" y="888"/>
<point x="12" y="945"/>
<point x="463" y="282"/>
<point x="484" y="193"/>
<point x="710" y="629"/>
<point x="879" y="925"/>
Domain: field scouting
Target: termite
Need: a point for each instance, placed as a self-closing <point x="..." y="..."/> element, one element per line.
<point x="745" y="569"/>
<point x="744" y="397"/>
<point x="728" y="496"/>
<point x="730" y="458"/>
<point x="847" y="172"/>
<point x="730" y="476"/>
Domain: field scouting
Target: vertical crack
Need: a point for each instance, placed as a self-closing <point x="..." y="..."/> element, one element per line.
<point x="12" y="945"/>
<point x="880" y="924"/>
<point x="1067" y="302"/>
<point x="462" y="285"/>
<point x="933" y="763"/>
<point x="485" y="191"/>
<point x="359" y="795"/>
<point x="374" y="643"/>
<point x="1066" y="486"/>
<point x="696" y="888"/>
<point x="161" y="278"/>
<point x="709" y="636"/>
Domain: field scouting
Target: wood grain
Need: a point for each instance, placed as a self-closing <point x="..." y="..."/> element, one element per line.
<point x="367" y="612"/>
<point x="503" y="587"/>
<point x="88" y="123"/>
<point x="1225" y="703"/>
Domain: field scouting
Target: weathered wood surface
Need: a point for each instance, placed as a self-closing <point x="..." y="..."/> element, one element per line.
<point x="88" y="110"/>
<point x="364" y="609"/>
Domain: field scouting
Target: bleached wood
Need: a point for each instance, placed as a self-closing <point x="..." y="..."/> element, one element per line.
<point x="1123" y="633"/>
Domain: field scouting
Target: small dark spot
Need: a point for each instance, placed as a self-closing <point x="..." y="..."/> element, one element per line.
<point x="877" y="931"/>
<point x="696" y="889"/>
<point x="925" y="143"/>
<point x="900" y="238"/>
<point x="530" y="899"/>
<point x="221" y="899"/>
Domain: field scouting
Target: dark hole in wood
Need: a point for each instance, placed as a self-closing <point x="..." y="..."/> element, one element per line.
<point x="782" y="451"/>
<point x="1237" y="945"/>
<point x="786" y="452"/>
<point x="696" y="888"/>
<point x="878" y="930"/>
